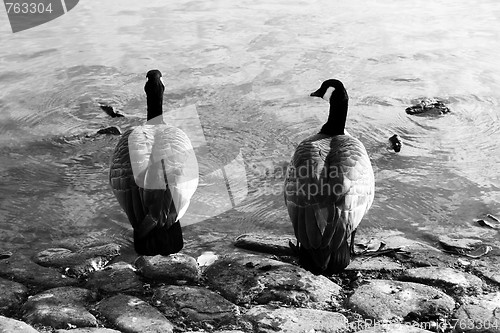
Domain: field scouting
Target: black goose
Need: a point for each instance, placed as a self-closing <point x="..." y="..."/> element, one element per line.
<point x="154" y="174"/>
<point x="329" y="187"/>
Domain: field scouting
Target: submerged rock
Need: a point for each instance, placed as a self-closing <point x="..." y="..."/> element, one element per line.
<point x="479" y="314"/>
<point x="277" y="245"/>
<point x="196" y="304"/>
<point x="25" y="271"/>
<point x="9" y="325"/>
<point x="116" y="278"/>
<point x="174" y="267"/>
<point x="60" y="308"/>
<point x="113" y="130"/>
<point x="133" y="315"/>
<point x="110" y="111"/>
<point x="445" y="276"/>
<point x="12" y="295"/>
<point x="81" y="262"/>
<point x="266" y="319"/>
<point x="246" y="278"/>
<point x="395" y="300"/>
<point x="428" y="105"/>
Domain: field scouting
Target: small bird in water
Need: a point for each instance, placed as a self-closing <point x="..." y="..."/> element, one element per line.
<point x="329" y="187"/>
<point x="154" y="174"/>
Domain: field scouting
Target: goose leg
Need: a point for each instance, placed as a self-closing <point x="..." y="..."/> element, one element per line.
<point x="351" y="247"/>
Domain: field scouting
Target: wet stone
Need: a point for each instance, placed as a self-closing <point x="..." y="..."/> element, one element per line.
<point x="113" y="130"/>
<point x="277" y="245"/>
<point x="266" y="319"/>
<point x="174" y="267"/>
<point x="444" y="276"/>
<point x="81" y="262"/>
<point x="393" y="328"/>
<point x="396" y="300"/>
<point x="449" y="243"/>
<point x="8" y="325"/>
<point x="25" y="271"/>
<point x="60" y="308"/>
<point x="245" y="279"/>
<point x="360" y="263"/>
<point x="89" y="330"/>
<point x="116" y="278"/>
<point x="488" y="267"/>
<point x="132" y="315"/>
<point x="479" y="314"/>
<point x="196" y="304"/>
<point x="12" y="295"/>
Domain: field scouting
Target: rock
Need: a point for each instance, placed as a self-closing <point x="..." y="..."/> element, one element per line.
<point x="89" y="330"/>
<point x="8" y="325"/>
<point x="110" y="111"/>
<point x="23" y="270"/>
<point x="396" y="300"/>
<point x="488" y="267"/>
<point x="444" y="276"/>
<point x="479" y="314"/>
<point x="132" y="315"/>
<point x="174" y="267"/>
<point x="395" y="143"/>
<point x="88" y="240"/>
<point x="116" y="278"/>
<point x="427" y="258"/>
<point x="60" y="308"/>
<point x="393" y="328"/>
<point x="245" y="278"/>
<point x="360" y="263"/>
<point x="277" y="245"/>
<point x="113" y="130"/>
<point x="196" y="304"/>
<point x="12" y="295"/>
<point x="81" y="262"/>
<point x="463" y="243"/>
<point x="266" y="319"/>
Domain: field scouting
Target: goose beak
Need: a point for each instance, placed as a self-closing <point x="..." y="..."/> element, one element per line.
<point x="316" y="94"/>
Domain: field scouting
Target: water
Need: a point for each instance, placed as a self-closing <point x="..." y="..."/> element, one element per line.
<point x="247" y="68"/>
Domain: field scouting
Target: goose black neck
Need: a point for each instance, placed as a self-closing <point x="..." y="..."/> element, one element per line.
<point x="154" y="93"/>
<point x="335" y="124"/>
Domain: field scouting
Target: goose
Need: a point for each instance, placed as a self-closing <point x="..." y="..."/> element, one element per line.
<point x="329" y="187"/>
<point x="153" y="175"/>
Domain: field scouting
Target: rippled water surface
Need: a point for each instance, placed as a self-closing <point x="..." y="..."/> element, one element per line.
<point x="245" y="70"/>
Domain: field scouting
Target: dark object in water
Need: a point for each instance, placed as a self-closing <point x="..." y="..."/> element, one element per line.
<point x="110" y="111"/>
<point x="113" y="130"/>
<point x="428" y="105"/>
<point x="5" y="255"/>
<point x="395" y="143"/>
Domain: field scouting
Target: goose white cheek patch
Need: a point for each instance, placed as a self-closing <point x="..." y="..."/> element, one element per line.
<point x="328" y="93"/>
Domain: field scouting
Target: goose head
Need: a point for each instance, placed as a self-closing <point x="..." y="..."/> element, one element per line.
<point x="154" y="89"/>
<point x="331" y="90"/>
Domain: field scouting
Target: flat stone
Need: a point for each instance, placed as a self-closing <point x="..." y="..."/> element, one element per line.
<point x="113" y="130"/>
<point x="395" y="300"/>
<point x="89" y="330"/>
<point x="197" y="304"/>
<point x="25" y="271"/>
<point x="393" y="328"/>
<point x="169" y="268"/>
<point x="266" y="319"/>
<point x="9" y="325"/>
<point x="488" y="267"/>
<point x="132" y="315"/>
<point x="81" y="262"/>
<point x="444" y="276"/>
<point x="246" y="278"/>
<point x="378" y="263"/>
<point x="116" y="278"/>
<point x="459" y="243"/>
<point x="12" y="295"/>
<point x="479" y="314"/>
<point x="277" y="245"/>
<point x="427" y="257"/>
<point x="60" y="308"/>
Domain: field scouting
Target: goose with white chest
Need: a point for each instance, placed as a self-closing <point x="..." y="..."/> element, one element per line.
<point x="329" y="187"/>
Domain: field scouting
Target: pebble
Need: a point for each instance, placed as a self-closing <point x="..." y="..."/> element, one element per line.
<point x="479" y="314"/>
<point x="12" y="295"/>
<point x="246" y="278"/>
<point x="119" y="277"/>
<point x="266" y="319"/>
<point x="394" y="328"/>
<point x="395" y="300"/>
<point x="9" y="325"/>
<point x="444" y="276"/>
<point x="132" y="315"/>
<point x="61" y="307"/>
<point x="379" y="263"/>
<point x="174" y="267"/>
<point x="277" y="245"/>
<point x="89" y="330"/>
<point x="196" y="304"/>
